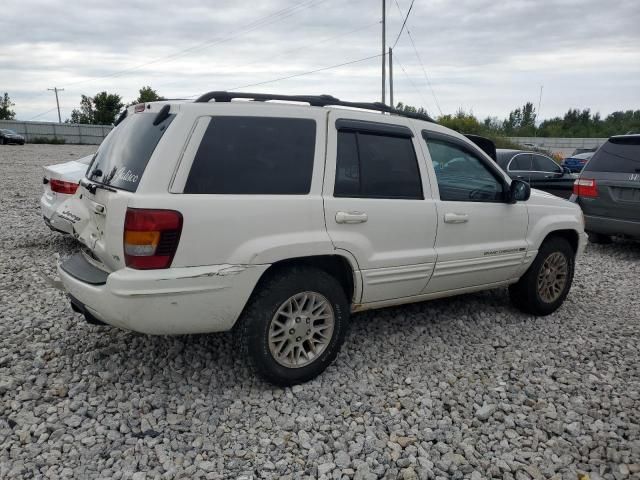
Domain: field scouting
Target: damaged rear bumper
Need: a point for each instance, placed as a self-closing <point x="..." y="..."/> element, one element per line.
<point x="161" y="302"/>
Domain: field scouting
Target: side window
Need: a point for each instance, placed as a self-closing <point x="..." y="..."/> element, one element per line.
<point x="376" y="166"/>
<point x="254" y="155"/>
<point x="545" y="164"/>
<point x="461" y="175"/>
<point x="521" y="162"/>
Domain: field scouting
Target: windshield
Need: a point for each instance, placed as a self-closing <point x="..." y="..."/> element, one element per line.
<point x="123" y="155"/>
<point x="6" y="130"/>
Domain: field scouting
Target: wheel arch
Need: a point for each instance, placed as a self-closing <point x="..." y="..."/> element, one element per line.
<point x="338" y="266"/>
<point x="568" y="234"/>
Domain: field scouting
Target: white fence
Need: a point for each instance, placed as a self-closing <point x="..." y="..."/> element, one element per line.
<point x="71" y="133"/>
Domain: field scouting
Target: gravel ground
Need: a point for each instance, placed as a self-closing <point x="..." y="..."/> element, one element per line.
<point x="458" y="388"/>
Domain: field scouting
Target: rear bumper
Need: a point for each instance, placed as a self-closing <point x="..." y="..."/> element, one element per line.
<point x="163" y="302"/>
<point x="612" y="226"/>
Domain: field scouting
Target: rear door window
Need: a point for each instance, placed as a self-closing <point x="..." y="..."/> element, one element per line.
<point x="376" y="166"/>
<point x="123" y="155"/>
<point x="521" y="162"/>
<point x="619" y="155"/>
<point x="254" y="155"/>
<point x="545" y="164"/>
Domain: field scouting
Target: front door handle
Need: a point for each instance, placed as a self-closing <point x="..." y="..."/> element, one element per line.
<point x="456" y="218"/>
<point x="351" y="217"/>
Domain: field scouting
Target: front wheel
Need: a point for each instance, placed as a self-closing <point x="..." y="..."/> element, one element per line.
<point x="545" y="285"/>
<point x="294" y="325"/>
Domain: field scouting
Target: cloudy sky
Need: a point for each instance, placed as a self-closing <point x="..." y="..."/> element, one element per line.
<point x="487" y="56"/>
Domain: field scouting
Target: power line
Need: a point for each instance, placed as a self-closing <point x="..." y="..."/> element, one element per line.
<point x="330" y="67"/>
<point x="41" y="114"/>
<point x="255" y="25"/>
<point x="415" y="50"/>
<point x="424" y="70"/>
<point x="418" y="91"/>
<point x="403" y="23"/>
<point x="292" y="50"/>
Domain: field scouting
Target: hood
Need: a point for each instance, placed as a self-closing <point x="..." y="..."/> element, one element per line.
<point x="538" y="197"/>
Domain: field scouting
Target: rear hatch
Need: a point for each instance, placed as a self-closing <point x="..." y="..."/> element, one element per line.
<point x="113" y="178"/>
<point x="615" y="168"/>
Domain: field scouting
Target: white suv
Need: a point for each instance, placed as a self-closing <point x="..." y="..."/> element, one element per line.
<point x="279" y="220"/>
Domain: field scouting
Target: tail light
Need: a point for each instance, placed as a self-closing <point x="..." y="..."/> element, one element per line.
<point x="585" y="187"/>
<point x="61" y="186"/>
<point x="151" y="238"/>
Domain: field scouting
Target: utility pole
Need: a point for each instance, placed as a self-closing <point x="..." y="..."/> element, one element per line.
<point x="56" y="89"/>
<point x="535" y="128"/>
<point x="384" y="47"/>
<point x="391" y="78"/>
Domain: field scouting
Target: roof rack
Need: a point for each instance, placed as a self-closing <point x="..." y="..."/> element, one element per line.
<point x="313" y="100"/>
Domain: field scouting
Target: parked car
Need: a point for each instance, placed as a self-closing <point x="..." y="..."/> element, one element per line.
<point x="60" y="184"/>
<point x="608" y="190"/>
<point x="576" y="162"/>
<point x="538" y="170"/>
<point x="9" y="136"/>
<point x="578" y="151"/>
<point x="280" y="220"/>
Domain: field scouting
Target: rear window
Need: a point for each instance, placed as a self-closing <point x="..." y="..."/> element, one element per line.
<point x="123" y="155"/>
<point x="620" y="155"/>
<point x="253" y="156"/>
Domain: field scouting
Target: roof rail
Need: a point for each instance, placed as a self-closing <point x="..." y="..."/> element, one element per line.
<point x="313" y="100"/>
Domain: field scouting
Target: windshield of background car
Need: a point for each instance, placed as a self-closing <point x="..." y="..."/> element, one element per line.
<point x="123" y="155"/>
<point x="620" y="155"/>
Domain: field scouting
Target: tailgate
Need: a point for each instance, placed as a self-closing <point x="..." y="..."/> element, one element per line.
<point x="100" y="228"/>
<point x="618" y="196"/>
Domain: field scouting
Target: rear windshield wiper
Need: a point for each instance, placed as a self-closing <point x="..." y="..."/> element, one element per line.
<point x="92" y="187"/>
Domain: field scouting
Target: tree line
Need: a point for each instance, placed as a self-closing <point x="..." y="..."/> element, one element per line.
<point x="522" y="122"/>
<point x="103" y="109"/>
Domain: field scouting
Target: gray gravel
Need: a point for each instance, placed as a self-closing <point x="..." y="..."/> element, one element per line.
<point x="459" y="388"/>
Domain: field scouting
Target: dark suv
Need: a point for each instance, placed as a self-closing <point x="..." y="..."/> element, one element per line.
<point x="608" y="190"/>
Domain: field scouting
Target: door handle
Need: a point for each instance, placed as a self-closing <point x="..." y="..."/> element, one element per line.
<point x="456" y="218"/>
<point x="351" y="217"/>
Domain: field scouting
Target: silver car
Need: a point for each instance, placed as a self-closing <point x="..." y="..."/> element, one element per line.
<point x="60" y="184"/>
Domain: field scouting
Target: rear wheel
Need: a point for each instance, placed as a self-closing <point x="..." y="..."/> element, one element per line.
<point x="599" y="238"/>
<point x="545" y="285"/>
<point x="294" y="325"/>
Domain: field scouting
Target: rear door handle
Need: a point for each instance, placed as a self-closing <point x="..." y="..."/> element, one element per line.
<point x="456" y="218"/>
<point x="351" y="217"/>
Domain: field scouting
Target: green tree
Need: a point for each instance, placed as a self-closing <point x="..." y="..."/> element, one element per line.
<point x="411" y="109"/>
<point x="463" y="122"/>
<point x="5" y="108"/>
<point x="86" y="112"/>
<point x="102" y="109"/>
<point x="521" y="121"/>
<point x="147" y="94"/>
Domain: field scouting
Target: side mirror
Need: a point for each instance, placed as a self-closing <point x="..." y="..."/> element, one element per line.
<point x="566" y="170"/>
<point x="519" y="191"/>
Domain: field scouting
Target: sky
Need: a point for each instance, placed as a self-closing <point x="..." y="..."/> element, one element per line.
<point x="484" y="56"/>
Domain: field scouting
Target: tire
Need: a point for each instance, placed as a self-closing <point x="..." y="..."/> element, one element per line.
<point x="545" y="298"/>
<point x="263" y="316"/>
<point x="599" y="238"/>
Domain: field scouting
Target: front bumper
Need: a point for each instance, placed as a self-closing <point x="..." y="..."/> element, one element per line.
<point x="170" y="301"/>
